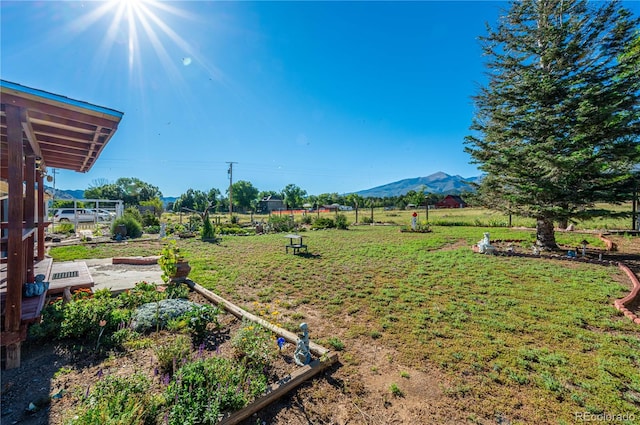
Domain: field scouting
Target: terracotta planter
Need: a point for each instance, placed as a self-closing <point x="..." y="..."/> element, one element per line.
<point x="182" y="271"/>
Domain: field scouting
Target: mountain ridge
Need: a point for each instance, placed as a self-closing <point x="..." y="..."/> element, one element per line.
<point x="439" y="183"/>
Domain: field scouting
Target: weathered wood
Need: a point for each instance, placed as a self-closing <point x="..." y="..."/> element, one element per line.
<point x="14" y="337"/>
<point x="282" y="387"/>
<point x="41" y="223"/>
<point x="15" y="255"/>
<point x="315" y="349"/>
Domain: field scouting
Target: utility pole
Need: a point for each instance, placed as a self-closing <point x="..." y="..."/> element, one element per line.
<point x="230" y="172"/>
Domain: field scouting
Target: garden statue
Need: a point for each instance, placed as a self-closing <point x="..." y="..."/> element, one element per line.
<point x="414" y="220"/>
<point x="484" y="246"/>
<point x="163" y="230"/>
<point x="302" y="356"/>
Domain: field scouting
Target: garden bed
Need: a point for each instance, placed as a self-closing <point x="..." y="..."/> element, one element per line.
<point x="157" y="376"/>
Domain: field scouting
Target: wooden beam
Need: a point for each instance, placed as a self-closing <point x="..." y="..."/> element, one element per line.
<point x="28" y="131"/>
<point x="281" y="388"/>
<point x="15" y="257"/>
<point x="316" y="349"/>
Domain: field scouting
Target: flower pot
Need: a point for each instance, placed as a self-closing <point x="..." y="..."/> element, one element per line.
<point x="182" y="271"/>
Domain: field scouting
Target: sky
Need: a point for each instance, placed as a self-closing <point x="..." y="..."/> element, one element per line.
<point x="330" y="96"/>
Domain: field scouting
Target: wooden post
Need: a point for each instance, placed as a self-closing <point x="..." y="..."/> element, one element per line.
<point x="15" y="257"/>
<point x="29" y="214"/>
<point x="41" y="219"/>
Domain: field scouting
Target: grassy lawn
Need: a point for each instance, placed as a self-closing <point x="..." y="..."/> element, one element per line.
<point x="533" y="340"/>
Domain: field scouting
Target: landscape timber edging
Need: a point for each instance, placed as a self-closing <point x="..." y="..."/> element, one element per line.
<point x="286" y="384"/>
<point x="138" y="261"/>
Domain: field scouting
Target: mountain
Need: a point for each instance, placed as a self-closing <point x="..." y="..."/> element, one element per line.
<point x="440" y="183"/>
<point x="65" y="194"/>
<point x="79" y="194"/>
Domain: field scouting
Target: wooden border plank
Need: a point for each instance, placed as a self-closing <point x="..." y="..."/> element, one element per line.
<point x="240" y="313"/>
<point x="281" y="388"/>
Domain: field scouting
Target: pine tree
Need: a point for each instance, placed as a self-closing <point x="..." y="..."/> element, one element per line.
<point x="557" y="126"/>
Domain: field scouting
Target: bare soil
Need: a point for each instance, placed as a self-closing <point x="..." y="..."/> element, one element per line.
<point x="354" y="391"/>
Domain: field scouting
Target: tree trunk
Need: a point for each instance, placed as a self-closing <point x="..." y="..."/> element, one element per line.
<point x="545" y="236"/>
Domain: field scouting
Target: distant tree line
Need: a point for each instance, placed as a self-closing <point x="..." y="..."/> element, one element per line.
<point x="135" y="192"/>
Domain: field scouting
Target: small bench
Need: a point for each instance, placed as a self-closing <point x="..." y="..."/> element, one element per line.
<point x="295" y="243"/>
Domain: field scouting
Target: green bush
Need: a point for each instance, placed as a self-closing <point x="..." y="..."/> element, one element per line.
<point x="152" y="230"/>
<point x="133" y="226"/>
<point x="156" y="315"/>
<point x="149" y="219"/>
<point x="367" y="219"/>
<point x="199" y="317"/>
<point x="254" y="344"/>
<point x="323" y="223"/>
<point x="205" y="388"/>
<point x="141" y="293"/>
<point x="306" y="219"/>
<point x="208" y="232"/>
<point x="65" y="228"/>
<point x="172" y="354"/>
<point x="281" y="223"/>
<point x="341" y="222"/>
<point x="82" y="318"/>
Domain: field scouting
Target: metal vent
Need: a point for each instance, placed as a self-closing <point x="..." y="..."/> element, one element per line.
<point x="64" y="275"/>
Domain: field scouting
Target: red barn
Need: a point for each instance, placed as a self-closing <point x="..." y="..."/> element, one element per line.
<point x="451" y="201"/>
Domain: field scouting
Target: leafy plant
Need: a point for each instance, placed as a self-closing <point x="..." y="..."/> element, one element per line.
<point x="118" y="400"/>
<point x="336" y="343"/>
<point x="205" y="388"/>
<point x="176" y="290"/>
<point x="173" y="354"/>
<point x="254" y="344"/>
<point x="168" y="261"/>
<point x="395" y="390"/>
<point x="199" y="317"/>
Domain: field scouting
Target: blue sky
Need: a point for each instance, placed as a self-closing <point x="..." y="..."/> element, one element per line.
<point x="331" y="96"/>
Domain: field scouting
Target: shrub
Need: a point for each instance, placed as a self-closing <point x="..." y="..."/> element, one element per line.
<point x="205" y="388"/>
<point x="134" y="213"/>
<point x="141" y="293"/>
<point x="254" y="344"/>
<point x="306" y="219"/>
<point x="323" y="223"/>
<point x="367" y="220"/>
<point x="281" y="223"/>
<point x="133" y="226"/>
<point x="199" y="317"/>
<point x="81" y="318"/>
<point x="65" y="228"/>
<point x="341" y="222"/>
<point x="150" y="219"/>
<point x="207" y="232"/>
<point x="152" y="230"/>
<point x="156" y="315"/>
<point x="172" y="354"/>
<point x="52" y="316"/>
